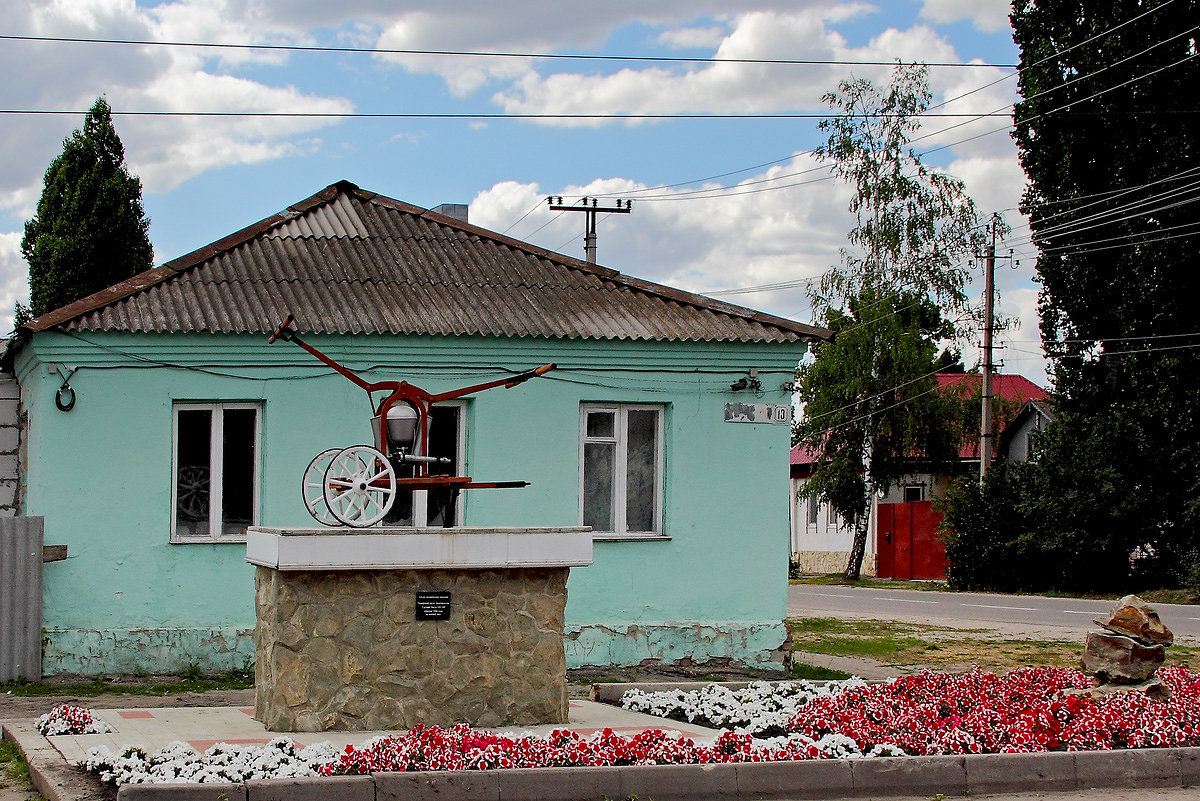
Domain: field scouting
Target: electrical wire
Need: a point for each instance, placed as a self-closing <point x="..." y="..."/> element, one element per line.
<point x="1055" y="55"/>
<point x="484" y="115"/>
<point x="1098" y="220"/>
<point x="475" y="53"/>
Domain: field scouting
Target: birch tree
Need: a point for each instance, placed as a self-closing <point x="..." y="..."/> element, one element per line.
<point x="903" y="266"/>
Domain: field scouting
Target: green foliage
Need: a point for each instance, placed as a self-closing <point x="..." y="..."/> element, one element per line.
<point x="1068" y="520"/>
<point x="13" y="763"/>
<point x="1116" y="487"/>
<point x="913" y="226"/>
<point x="871" y="402"/>
<point x="90" y="230"/>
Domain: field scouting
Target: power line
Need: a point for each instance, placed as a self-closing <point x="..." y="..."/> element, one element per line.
<point x="720" y="192"/>
<point x="1100" y="219"/>
<point x="485" y="115"/>
<point x="382" y="51"/>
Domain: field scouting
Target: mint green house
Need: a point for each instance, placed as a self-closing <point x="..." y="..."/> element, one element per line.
<point x="159" y="424"/>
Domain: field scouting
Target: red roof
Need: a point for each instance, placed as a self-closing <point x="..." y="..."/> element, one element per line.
<point x="1015" y="388"/>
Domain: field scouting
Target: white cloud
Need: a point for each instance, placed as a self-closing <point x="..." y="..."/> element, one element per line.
<point x="729" y="87"/>
<point x="986" y="15"/>
<point x="13" y="275"/>
<point x="698" y="244"/>
<point x="689" y="38"/>
<point x="164" y="150"/>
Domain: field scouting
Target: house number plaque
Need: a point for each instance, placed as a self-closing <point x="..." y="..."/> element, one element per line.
<point x="433" y="606"/>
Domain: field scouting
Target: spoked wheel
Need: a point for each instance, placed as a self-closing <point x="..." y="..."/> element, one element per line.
<point x="359" y="486"/>
<point x="314" y="487"/>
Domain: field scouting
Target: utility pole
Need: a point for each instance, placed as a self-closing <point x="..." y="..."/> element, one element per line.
<point x="985" y="417"/>
<point x="590" y="207"/>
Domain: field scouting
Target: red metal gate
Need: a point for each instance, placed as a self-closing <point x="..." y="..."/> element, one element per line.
<point x="906" y="542"/>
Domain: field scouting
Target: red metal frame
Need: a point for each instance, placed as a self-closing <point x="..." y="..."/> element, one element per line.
<point x="421" y="401"/>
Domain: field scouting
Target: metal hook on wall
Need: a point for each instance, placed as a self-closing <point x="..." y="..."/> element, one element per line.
<point x="64" y="398"/>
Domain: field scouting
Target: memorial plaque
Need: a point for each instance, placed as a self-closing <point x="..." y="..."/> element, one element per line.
<point x="433" y="606"/>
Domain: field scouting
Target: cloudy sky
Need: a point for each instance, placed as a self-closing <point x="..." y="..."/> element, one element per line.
<point x="719" y="203"/>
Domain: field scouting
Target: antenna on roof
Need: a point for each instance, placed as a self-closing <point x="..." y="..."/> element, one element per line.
<point x="590" y="206"/>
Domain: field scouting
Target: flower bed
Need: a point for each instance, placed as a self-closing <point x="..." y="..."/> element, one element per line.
<point x="70" y="720"/>
<point x="464" y="748"/>
<point x="932" y="713"/>
<point x="1026" y="710"/>
<point x="179" y="762"/>
<point x="760" y="708"/>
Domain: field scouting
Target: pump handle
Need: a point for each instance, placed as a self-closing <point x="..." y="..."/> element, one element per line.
<point x="282" y="331"/>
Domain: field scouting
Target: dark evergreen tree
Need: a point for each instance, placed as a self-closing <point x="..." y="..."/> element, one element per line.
<point x="90" y="230"/>
<point x="1108" y="137"/>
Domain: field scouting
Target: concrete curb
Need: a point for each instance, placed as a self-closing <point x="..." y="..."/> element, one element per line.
<point x="52" y="776"/>
<point x="844" y="778"/>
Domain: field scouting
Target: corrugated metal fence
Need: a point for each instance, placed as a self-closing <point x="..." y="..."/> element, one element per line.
<point x="21" y="598"/>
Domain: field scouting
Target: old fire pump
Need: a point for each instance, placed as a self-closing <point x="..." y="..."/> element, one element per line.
<point x="357" y="486"/>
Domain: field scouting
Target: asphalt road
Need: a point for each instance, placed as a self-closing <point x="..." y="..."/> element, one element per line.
<point x="972" y="610"/>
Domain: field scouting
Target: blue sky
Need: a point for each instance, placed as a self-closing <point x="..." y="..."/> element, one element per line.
<point x="204" y="178"/>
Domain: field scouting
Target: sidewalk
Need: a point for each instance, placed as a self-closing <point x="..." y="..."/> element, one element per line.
<point x="203" y="727"/>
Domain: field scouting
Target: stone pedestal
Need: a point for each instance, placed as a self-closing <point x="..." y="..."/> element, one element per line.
<point x="339" y="645"/>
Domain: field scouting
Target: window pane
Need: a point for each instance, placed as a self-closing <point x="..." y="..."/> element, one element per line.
<point x="601" y="424"/>
<point x="640" y="467"/>
<point x="237" y="470"/>
<point x="192" y="472"/>
<point x="812" y="511"/>
<point x="443" y="441"/>
<point x="598" y="462"/>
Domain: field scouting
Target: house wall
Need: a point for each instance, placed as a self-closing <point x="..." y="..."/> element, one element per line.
<point x="10" y="440"/>
<point x="1018" y="439"/>
<point x="824" y="546"/>
<point x="126" y="599"/>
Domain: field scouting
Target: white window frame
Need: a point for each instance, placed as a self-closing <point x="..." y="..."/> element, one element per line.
<point x="216" y="469"/>
<point x="621" y="411"/>
<point x="421" y="497"/>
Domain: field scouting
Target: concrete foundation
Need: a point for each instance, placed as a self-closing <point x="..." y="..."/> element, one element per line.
<point x="354" y="646"/>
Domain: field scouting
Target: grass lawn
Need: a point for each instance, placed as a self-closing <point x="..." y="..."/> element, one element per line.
<point x="942" y="648"/>
<point x="14" y="770"/>
<point x="191" y="682"/>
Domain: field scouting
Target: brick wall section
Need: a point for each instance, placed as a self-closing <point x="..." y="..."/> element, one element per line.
<point x="10" y="440"/>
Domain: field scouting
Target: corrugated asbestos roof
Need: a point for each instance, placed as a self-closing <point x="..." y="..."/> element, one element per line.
<point x="347" y="261"/>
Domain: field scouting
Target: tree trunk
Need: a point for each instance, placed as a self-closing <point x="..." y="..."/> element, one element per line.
<point x="859" y="549"/>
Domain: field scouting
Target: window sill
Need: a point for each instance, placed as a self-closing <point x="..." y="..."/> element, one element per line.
<point x="606" y="537"/>
<point x="231" y="540"/>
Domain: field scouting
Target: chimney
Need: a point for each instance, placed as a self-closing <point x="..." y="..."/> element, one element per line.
<point x="457" y="211"/>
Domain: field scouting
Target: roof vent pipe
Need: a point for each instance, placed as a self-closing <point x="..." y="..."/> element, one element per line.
<point x="457" y="211"/>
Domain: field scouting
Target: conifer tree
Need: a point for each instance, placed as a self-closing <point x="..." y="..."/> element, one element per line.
<point x="90" y="230"/>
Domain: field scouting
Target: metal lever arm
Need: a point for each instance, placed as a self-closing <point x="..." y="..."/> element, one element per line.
<point x="507" y="383"/>
<point x="284" y="331"/>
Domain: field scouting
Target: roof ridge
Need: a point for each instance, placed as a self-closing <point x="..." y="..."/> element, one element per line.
<point x="638" y="284"/>
<point x="198" y="257"/>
